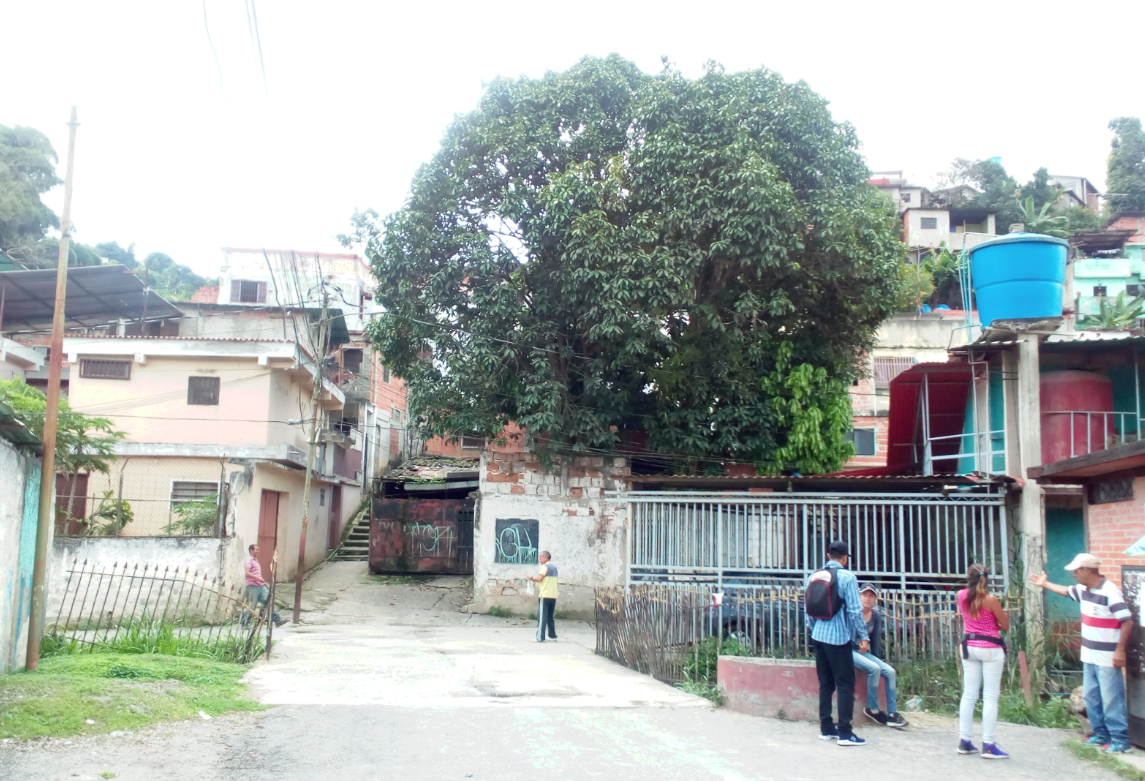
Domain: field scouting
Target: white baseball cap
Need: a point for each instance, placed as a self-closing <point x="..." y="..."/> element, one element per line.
<point x="1087" y="560"/>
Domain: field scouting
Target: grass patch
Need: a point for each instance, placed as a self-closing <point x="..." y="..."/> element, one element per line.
<point x="116" y="691"/>
<point x="155" y="637"/>
<point x="1107" y="761"/>
<point x="502" y="612"/>
<point x="702" y="689"/>
<point x="940" y="686"/>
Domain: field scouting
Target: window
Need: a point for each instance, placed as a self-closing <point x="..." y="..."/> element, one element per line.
<point x="472" y="442"/>
<point x="352" y="361"/>
<point x="203" y="391"/>
<point x="886" y="369"/>
<point x="1099" y="290"/>
<point x="385" y="373"/>
<point x="864" y="439"/>
<point x="105" y="370"/>
<point x="1135" y="290"/>
<point x="183" y="491"/>
<point x="929" y="223"/>
<point x="905" y="198"/>
<point x="248" y="291"/>
<point x="321" y="497"/>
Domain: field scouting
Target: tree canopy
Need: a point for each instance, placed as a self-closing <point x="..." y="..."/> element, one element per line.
<point x="164" y="275"/>
<point x="602" y="255"/>
<point x="27" y="171"/>
<point x="1125" y="176"/>
<point x="83" y="443"/>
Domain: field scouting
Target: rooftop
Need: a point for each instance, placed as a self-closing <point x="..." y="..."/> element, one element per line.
<point x="96" y="295"/>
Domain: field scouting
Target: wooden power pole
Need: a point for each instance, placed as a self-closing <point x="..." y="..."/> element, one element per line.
<point x="319" y="360"/>
<point x="51" y="415"/>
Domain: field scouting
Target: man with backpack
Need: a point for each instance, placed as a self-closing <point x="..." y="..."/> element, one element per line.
<point x="834" y="615"/>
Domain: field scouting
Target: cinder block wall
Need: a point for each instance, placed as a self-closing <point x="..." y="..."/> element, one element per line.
<point x="585" y="534"/>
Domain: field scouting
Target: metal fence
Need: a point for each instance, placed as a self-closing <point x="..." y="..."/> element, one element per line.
<point x="675" y="632"/>
<point x="902" y="541"/>
<point x="135" y="608"/>
<point x="145" y="497"/>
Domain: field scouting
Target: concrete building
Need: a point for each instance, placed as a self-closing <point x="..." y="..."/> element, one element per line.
<point x="216" y="440"/>
<point x="1079" y="189"/>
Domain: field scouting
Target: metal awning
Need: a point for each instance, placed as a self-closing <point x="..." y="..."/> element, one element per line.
<point x="96" y="295"/>
<point x="1118" y="458"/>
<point x="937" y="390"/>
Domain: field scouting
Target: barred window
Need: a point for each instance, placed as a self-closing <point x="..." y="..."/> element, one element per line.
<point x="183" y="491"/>
<point x="105" y="370"/>
<point x="886" y="369"/>
<point x="203" y="391"/>
<point x="472" y="442"/>
<point x="248" y="291"/>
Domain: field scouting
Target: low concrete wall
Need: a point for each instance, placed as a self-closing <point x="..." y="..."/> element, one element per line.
<point x="777" y="688"/>
<point x="19" y="507"/>
<point x="221" y="558"/>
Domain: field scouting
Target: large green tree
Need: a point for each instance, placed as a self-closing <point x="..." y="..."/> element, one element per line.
<point x="164" y="275"/>
<point x="27" y="171"/>
<point x="602" y="254"/>
<point x="1125" y="175"/>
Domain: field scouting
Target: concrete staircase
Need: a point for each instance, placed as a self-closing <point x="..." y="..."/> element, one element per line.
<point x="356" y="545"/>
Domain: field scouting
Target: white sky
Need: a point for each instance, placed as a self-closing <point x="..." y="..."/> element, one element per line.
<point x="359" y="93"/>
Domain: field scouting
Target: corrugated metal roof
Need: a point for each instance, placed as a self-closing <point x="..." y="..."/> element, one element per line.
<point x="180" y="338"/>
<point x="96" y="295"/>
<point x="947" y="387"/>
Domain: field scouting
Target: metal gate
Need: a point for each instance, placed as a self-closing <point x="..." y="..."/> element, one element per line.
<point x="421" y="535"/>
<point x="906" y="542"/>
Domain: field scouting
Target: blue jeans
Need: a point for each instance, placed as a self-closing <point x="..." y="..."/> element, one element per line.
<point x="1105" y="703"/>
<point x="874" y="667"/>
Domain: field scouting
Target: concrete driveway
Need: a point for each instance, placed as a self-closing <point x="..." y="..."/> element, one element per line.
<point x="394" y="681"/>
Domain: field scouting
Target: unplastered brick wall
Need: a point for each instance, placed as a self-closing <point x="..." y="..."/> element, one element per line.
<point x="526" y="506"/>
<point x="1111" y="528"/>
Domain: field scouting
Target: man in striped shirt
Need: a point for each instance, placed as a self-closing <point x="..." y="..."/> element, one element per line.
<point x="1105" y="627"/>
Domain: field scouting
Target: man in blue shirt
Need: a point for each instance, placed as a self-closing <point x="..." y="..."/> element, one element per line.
<point x="832" y="640"/>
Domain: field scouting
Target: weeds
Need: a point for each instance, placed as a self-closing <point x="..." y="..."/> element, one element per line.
<point x="160" y="637"/>
<point x="502" y="612"/>
<point x="708" y="691"/>
<point x="399" y="580"/>
<point x="1108" y="761"/>
<point x="700" y="664"/>
<point x="115" y="691"/>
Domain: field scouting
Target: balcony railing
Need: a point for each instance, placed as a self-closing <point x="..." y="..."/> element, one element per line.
<point x="1091" y="432"/>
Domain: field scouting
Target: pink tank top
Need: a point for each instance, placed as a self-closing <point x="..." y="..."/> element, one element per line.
<point x="985" y="624"/>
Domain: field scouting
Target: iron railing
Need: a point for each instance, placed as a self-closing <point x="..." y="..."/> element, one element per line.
<point x="169" y="610"/>
<point x="900" y="541"/>
<point x="1112" y="428"/>
<point x="675" y="632"/>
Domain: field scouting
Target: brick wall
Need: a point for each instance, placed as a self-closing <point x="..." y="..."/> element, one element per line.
<point x="881" y="425"/>
<point x="1110" y="529"/>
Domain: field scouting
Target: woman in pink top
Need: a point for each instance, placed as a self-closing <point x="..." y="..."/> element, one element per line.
<point x="983" y="657"/>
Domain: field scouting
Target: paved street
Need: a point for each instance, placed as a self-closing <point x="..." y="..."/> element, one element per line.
<point x="389" y="681"/>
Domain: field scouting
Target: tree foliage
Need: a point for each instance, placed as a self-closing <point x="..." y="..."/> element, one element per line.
<point x="601" y="253"/>
<point x="83" y="443"/>
<point x="1125" y="175"/>
<point x="1044" y="220"/>
<point x="27" y="171"/>
<point x="166" y="277"/>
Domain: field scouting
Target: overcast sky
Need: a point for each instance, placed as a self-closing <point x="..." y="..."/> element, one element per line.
<point x="178" y="155"/>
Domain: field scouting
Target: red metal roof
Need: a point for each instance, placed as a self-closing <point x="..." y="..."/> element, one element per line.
<point x="946" y="386"/>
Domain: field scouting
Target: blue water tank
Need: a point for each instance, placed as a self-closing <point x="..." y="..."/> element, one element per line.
<point x="1017" y="276"/>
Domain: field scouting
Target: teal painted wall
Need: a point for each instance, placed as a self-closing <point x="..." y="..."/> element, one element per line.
<point x="997" y="423"/>
<point x="1065" y="538"/>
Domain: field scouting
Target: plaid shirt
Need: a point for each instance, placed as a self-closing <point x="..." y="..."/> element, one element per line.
<point x="848" y="624"/>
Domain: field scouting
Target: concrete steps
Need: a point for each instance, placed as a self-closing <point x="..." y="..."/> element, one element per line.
<point x="356" y="545"/>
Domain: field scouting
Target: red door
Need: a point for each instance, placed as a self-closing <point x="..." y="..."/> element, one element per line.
<point x="267" y="530"/>
<point x="335" y="516"/>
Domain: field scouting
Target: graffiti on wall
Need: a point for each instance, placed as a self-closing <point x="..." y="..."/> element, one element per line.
<point x="428" y="540"/>
<point x="516" y="541"/>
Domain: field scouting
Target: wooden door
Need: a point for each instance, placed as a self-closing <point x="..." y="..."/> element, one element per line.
<point x="267" y="530"/>
<point x="335" y="516"/>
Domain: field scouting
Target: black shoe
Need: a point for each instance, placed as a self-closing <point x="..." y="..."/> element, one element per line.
<point x="832" y="734"/>
<point x="876" y="715"/>
<point x="851" y="740"/>
<point x="281" y="622"/>
<point x="896" y="720"/>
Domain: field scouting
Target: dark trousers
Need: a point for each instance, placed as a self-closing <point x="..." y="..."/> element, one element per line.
<point x="836" y="669"/>
<point x="545" y="610"/>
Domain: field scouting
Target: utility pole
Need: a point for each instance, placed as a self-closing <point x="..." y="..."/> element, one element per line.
<point x="51" y="415"/>
<point x="319" y="359"/>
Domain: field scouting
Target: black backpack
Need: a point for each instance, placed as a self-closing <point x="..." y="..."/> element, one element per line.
<point x="821" y="599"/>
